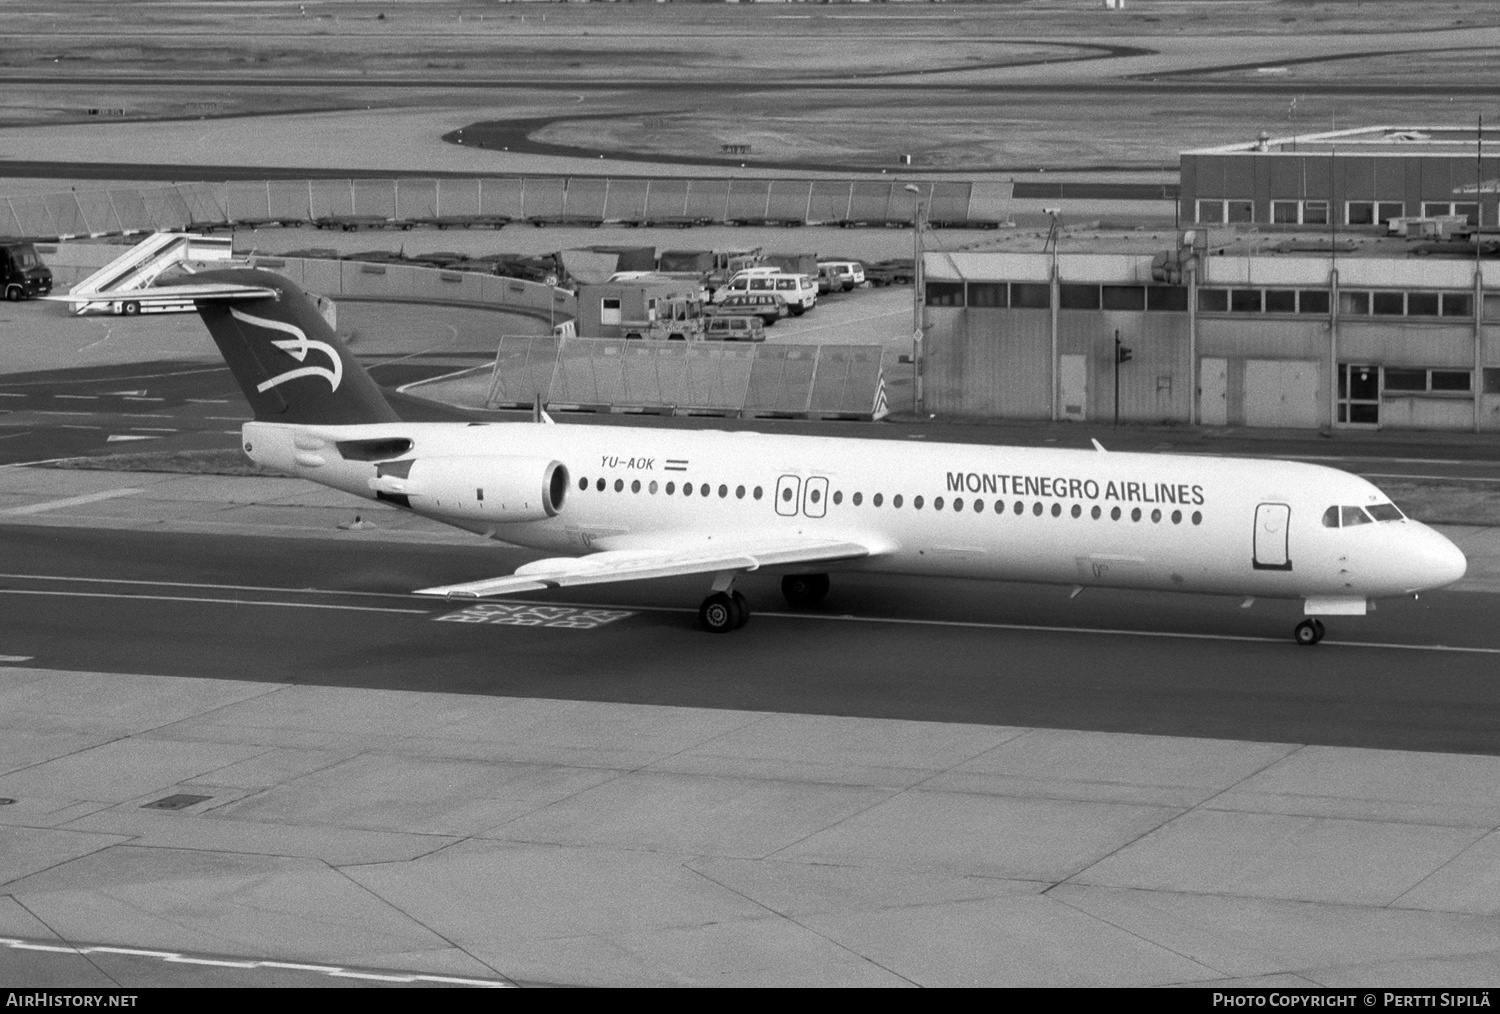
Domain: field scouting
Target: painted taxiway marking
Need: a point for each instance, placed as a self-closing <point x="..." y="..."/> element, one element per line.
<point x="1109" y="631"/>
<point x="207" y="401"/>
<point x="1428" y="478"/>
<point x="596" y="607"/>
<point x="16" y="658"/>
<point x="333" y="971"/>
<point x="210" y="601"/>
<point x="522" y="615"/>
<point x="73" y="501"/>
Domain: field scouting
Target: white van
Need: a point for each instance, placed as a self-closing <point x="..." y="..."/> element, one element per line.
<point x="799" y="291"/>
<point x="842" y="274"/>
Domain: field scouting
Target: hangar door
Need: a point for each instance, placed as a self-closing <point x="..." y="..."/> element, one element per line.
<point x="1281" y="392"/>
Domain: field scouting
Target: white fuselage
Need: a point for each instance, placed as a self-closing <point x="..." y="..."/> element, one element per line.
<point x="1124" y="520"/>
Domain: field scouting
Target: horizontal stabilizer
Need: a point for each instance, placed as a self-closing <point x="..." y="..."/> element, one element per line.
<point x="197" y="292"/>
<point x="645" y="564"/>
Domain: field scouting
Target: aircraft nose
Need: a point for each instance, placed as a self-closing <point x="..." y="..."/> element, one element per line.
<point x="1442" y="562"/>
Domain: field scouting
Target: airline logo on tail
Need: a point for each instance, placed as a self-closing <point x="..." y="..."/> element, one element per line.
<point x="297" y="348"/>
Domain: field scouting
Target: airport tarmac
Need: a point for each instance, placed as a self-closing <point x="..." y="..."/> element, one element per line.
<point x="567" y="792"/>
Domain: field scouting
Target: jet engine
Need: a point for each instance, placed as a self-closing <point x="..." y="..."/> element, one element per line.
<point x="499" y="488"/>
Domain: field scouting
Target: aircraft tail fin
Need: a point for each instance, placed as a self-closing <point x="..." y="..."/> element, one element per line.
<point x="289" y="363"/>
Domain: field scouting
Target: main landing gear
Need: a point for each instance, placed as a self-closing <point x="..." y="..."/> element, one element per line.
<point x="1309" y="632"/>
<point x="804" y="590"/>
<point x="723" y="611"/>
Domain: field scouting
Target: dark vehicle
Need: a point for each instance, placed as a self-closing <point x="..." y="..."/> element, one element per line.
<point x="735" y="329"/>
<point x="893" y="272"/>
<point x="768" y="306"/>
<point x="22" y="272"/>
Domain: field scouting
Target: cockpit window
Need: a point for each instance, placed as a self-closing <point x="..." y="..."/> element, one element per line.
<point x="1331" y="518"/>
<point x="1385" y="512"/>
<point x="1352" y="516"/>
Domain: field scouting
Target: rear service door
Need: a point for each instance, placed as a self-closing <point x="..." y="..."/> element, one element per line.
<point x="1272" y="551"/>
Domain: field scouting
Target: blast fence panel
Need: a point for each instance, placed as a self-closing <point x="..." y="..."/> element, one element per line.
<point x="626" y="201"/>
<point x="667" y="201"/>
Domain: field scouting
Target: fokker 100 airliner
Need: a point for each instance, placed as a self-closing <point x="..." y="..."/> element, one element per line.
<point x="625" y="503"/>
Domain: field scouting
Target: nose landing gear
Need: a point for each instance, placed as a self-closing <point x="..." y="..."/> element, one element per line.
<point x="1309" y="632"/>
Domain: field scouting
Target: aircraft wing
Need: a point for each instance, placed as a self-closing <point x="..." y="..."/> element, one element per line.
<point x="643" y="564"/>
<point x="198" y="292"/>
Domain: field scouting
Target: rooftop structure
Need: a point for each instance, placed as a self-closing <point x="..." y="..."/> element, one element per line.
<point x="1361" y="178"/>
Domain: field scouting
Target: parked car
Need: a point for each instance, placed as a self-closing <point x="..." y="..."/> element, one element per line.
<point x="799" y="291"/>
<point x="841" y="274"/>
<point x="735" y="329"/>
<point x="768" y="306"/>
<point x="892" y="272"/>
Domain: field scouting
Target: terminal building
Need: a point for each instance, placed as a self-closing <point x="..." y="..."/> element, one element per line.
<point x="1261" y="313"/>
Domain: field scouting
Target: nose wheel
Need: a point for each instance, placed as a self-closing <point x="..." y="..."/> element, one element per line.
<point x="722" y="612"/>
<point x="1309" y="632"/>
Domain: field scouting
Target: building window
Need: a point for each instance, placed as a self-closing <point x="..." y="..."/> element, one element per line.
<point x="1354" y="304"/>
<point x="1314" y="212"/>
<point x="1312" y="301"/>
<point x="1286" y="212"/>
<point x="1211" y="212"/>
<point x="1458" y="304"/>
<point x="1030" y="295"/>
<point x="1124" y="297"/>
<point x="1387" y="210"/>
<point x="1359" y="213"/>
<point x="945" y="293"/>
<point x="1421" y="304"/>
<point x="1244" y="300"/>
<point x="1078" y="297"/>
<point x="988" y="294"/>
<point x="1405" y="380"/>
<point x="1452" y="380"/>
<point x="1491" y="381"/>
<point x="1468" y="209"/>
<point x="609" y="310"/>
<point x="1388" y="304"/>
<point x="1281" y="301"/>
<point x="1167" y="297"/>
<point x="1239" y="211"/>
<point x="1213" y="300"/>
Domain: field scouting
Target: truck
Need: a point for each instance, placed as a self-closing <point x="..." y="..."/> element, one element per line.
<point x="22" y="272"/>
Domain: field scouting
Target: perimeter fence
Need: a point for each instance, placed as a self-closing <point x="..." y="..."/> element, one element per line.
<point x="599" y="374"/>
<point x="379" y="203"/>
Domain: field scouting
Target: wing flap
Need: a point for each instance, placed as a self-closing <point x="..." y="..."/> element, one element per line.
<point x="645" y="564"/>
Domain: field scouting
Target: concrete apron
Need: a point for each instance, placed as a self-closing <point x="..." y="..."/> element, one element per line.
<point x="601" y="844"/>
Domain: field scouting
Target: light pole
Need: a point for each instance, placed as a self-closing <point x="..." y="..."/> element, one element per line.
<point x="916" y="300"/>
